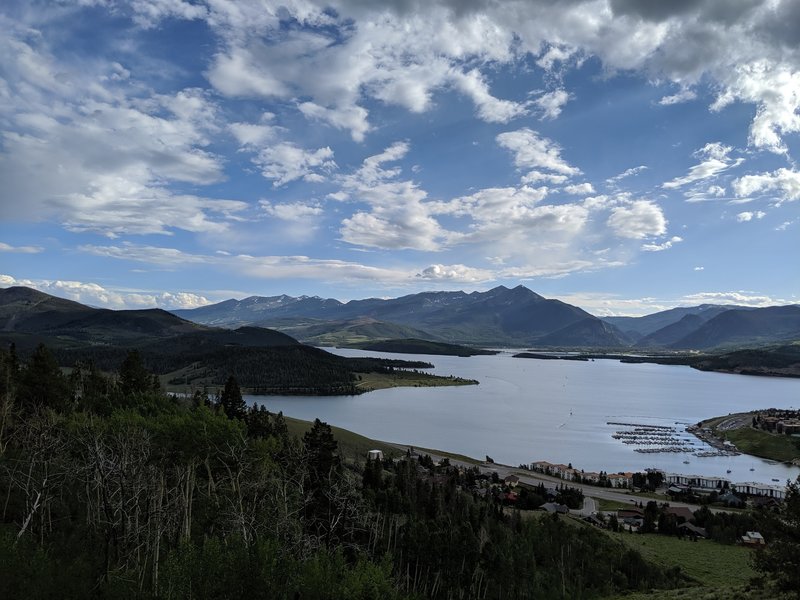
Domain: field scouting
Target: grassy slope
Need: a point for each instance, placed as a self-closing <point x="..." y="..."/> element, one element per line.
<point x="764" y="444"/>
<point x="351" y="445"/>
<point x="709" y="563"/>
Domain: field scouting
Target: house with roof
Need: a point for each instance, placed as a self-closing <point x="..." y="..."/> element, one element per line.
<point x="681" y="513"/>
<point x="511" y="481"/>
<point x="552" y="507"/>
<point x="693" y="531"/>
<point x="753" y="538"/>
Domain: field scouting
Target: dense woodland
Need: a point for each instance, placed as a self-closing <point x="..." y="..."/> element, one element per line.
<point x="287" y="370"/>
<point x="112" y="489"/>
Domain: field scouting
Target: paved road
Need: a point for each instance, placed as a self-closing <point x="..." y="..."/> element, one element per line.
<point x="532" y="478"/>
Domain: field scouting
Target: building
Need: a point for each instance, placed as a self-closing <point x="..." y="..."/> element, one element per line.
<point x="693" y="530"/>
<point x="375" y="455"/>
<point x="682" y="514"/>
<point x="753" y="538"/>
<point x="620" y="480"/>
<point x="699" y="482"/>
<point x="760" y="489"/>
<point x="511" y="481"/>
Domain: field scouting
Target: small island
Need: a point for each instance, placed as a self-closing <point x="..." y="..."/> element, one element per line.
<point x="773" y="433"/>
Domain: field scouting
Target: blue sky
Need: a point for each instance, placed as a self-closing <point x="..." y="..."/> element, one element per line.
<point x="622" y="156"/>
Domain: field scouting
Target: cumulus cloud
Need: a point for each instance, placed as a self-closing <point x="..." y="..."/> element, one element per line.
<point x="743" y="217"/>
<point x="100" y="154"/>
<point x="785" y="181"/>
<point x="291" y="211"/>
<point x="662" y="246"/>
<point x="552" y="103"/>
<point x="532" y="151"/>
<point x="637" y="220"/>
<point x="579" y="189"/>
<point x="287" y="162"/>
<point x="399" y="216"/>
<point x="94" y="294"/>
<point x="455" y="273"/>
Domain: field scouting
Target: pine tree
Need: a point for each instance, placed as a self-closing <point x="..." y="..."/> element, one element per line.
<point x="134" y="379"/>
<point x="231" y="401"/>
<point x="42" y="383"/>
<point x="781" y="558"/>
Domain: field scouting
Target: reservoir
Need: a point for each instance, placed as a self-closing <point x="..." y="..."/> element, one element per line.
<point x="526" y="410"/>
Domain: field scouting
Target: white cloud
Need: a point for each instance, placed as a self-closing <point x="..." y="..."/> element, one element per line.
<point x="537" y="176"/>
<point x="291" y="211"/>
<point x="554" y="54"/>
<point x="286" y="162"/>
<point x="399" y="216"/>
<point x="85" y="145"/>
<point x="637" y="220"/>
<point x="20" y="249"/>
<point x="261" y="267"/>
<point x="785" y="181"/>
<point x="699" y="269"/>
<point x="743" y="217"/>
<point x="715" y="160"/>
<point x="352" y="118"/>
<point x="662" y="246"/>
<point x="613" y="181"/>
<point x="775" y="88"/>
<point x="148" y="13"/>
<point x="534" y="152"/>
<point x="685" y="95"/>
<point x="253" y="135"/>
<point x="743" y="298"/>
<point x="455" y="273"/>
<point x="94" y="294"/>
<point x="552" y="103"/>
<point x="490" y="109"/>
<point x="580" y="189"/>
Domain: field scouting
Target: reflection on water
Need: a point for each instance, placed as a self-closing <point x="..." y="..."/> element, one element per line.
<point x="526" y="410"/>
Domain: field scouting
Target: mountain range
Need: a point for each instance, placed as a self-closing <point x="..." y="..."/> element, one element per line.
<point x="498" y="317"/>
<point x="504" y="317"/>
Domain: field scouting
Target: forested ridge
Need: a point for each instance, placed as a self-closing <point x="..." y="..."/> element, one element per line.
<point x="112" y="489"/>
<point x="291" y="369"/>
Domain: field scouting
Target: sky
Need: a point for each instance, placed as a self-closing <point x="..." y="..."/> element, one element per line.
<point x="625" y="156"/>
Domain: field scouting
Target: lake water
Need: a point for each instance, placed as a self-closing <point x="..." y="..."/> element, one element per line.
<point x="526" y="410"/>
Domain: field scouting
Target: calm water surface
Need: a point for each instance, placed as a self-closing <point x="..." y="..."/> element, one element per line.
<point x="526" y="410"/>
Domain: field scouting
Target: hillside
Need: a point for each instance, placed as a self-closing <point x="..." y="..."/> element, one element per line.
<point x="67" y="323"/>
<point x="648" y="324"/>
<point x="343" y="333"/>
<point x="187" y="354"/>
<point x="589" y="332"/>
<point x="745" y="328"/>
<point x="673" y="332"/>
